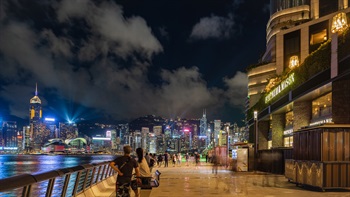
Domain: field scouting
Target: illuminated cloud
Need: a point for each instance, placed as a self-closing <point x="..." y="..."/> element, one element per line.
<point x="106" y="66"/>
<point x="213" y="27"/>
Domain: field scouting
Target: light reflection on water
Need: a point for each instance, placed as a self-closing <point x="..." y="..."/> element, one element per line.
<point x="12" y="165"/>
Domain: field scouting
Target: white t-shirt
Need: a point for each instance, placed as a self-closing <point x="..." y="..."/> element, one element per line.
<point x="144" y="169"/>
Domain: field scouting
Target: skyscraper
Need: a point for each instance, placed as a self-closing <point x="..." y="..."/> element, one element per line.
<point x="203" y="124"/>
<point x="35" y="119"/>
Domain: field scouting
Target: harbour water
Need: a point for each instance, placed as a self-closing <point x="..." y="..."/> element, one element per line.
<point x="13" y="165"/>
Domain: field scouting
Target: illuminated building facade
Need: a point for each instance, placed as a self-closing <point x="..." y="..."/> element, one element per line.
<point x="68" y="130"/>
<point x="35" y="120"/>
<point x="8" y="136"/>
<point x="203" y="124"/>
<point x="304" y="74"/>
<point x="304" y="111"/>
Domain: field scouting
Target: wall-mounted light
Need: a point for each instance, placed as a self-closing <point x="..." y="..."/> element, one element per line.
<point x="339" y="22"/>
<point x="293" y="62"/>
<point x="255" y="115"/>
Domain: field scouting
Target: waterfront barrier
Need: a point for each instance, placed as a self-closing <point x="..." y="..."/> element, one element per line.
<point x="84" y="180"/>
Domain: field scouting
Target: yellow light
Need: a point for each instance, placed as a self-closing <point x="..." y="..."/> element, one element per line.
<point x="293" y="62"/>
<point x="339" y="22"/>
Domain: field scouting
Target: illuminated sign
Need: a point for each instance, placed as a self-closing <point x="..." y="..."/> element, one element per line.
<point x="101" y="138"/>
<point x="10" y="148"/>
<point x="328" y="120"/>
<point x="283" y="85"/>
<point x="50" y="119"/>
<point x="288" y="132"/>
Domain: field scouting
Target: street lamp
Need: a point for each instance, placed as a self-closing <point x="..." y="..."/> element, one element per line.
<point x="256" y="140"/>
<point x="228" y="145"/>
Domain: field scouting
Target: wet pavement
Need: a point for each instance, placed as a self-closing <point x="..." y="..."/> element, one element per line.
<point x="201" y="181"/>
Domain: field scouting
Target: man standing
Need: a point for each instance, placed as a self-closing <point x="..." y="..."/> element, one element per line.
<point x="124" y="165"/>
<point x="166" y="159"/>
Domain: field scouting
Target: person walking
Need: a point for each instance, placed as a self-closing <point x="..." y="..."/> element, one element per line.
<point x="174" y="159"/>
<point x="160" y="160"/>
<point x="187" y="157"/>
<point x="152" y="161"/>
<point x="179" y="158"/>
<point x="215" y="161"/>
<point x="124" y="166"/>
<point x="166" y="159"/>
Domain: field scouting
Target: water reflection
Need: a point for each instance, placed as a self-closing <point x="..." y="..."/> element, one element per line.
<point x="12" y="165"/>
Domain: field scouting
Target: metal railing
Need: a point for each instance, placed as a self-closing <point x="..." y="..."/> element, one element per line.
<point x="62" y="182"/>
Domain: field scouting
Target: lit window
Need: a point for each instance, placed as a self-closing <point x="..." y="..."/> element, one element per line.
<point x="322" y="106"/>
<point x="339" y="22"/>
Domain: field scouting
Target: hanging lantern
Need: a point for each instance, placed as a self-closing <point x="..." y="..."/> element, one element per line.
<point x="339" y="22"/>
<point x="293" y="62"/>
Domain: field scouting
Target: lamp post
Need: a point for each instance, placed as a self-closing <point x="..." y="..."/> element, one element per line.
<point x="256" y="141"/>
<point x="228" y="145"/>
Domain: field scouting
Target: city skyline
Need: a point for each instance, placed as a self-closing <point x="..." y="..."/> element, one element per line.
<point x="122" y="60"/>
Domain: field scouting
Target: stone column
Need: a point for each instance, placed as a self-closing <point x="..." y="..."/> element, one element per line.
<point x="302" y="114"/>
<point x="304" y="44"/>
<point x="340" y="100"/>
<point x="263" y="134"/>
<point x="278" y="123"/>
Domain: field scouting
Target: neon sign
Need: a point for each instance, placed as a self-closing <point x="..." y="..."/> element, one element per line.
<point x="283" y="85"/>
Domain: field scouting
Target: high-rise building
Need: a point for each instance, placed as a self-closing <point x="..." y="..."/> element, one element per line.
<point x="50" y="124"/>
<point x="157" y="130"/>
<point x="35" y="120"/>
<point x="68" y="131"/>
<point x="203" y="124"/>
<point x="8" y="136"/>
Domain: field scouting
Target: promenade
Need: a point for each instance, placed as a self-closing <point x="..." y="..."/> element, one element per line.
<point x="200" y="181"/>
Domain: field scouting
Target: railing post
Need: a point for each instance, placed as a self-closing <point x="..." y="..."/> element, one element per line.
<point x="65" y="185"/>
<point x="92" y="176"/>
<point x="98" y="174"/>
<point x="26" y="190"/>
<point x="103" y="172"/>
<point x="86" y="178"/>
<point x="76" y="183"/>
<point x="50" y="187"/>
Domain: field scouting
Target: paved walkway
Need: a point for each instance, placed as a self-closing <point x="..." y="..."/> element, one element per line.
<point x="200" y="181"/>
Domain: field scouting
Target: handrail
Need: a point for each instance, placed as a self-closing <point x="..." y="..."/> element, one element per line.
<point x="76" y="180"/>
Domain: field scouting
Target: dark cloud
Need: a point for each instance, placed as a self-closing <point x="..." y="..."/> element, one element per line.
<point x="84" y="71"/>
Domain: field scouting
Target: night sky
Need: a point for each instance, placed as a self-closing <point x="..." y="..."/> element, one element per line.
<point x="126" y="59"/>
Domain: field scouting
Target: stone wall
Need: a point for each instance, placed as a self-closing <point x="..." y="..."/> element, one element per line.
<point x="278" y="123"/>
<point x="302" y="114"/>
<point x="263" y="134"/>
<point x="340" y="100"/>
